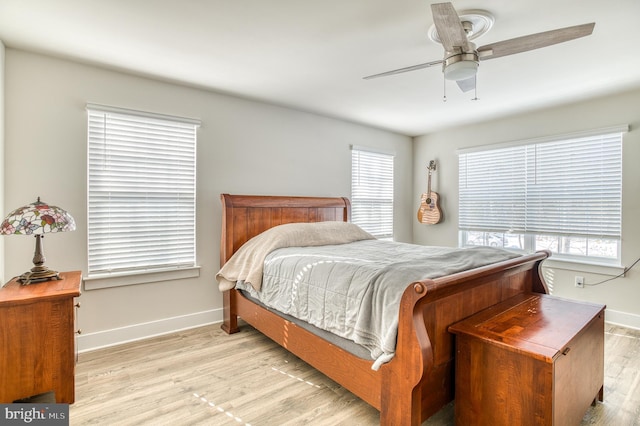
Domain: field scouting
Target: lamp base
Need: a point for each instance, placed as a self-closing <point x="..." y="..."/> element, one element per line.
<point x="38" y="274"/>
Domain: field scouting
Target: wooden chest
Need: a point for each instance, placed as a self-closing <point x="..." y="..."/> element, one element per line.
<point x="532" y="360"/>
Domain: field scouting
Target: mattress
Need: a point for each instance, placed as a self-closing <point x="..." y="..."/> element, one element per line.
<point x="353" y="290"/>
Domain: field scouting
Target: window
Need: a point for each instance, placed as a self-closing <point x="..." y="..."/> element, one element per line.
<point x="372" y="192"/>
<point x="141" y="191"/>
<point x="563" y="195"/>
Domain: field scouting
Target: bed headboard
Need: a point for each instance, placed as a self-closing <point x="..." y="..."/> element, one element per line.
<point x="245" y="216"/>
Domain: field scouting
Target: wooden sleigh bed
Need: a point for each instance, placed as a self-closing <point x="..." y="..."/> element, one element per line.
<point x="419" y="380"/>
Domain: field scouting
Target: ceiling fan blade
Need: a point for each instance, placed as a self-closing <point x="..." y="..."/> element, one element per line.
<point x="406" y="69"/>
<point x="449" y="27"/>
<point x="534" y="41"/>
<point x="468" y="84"/>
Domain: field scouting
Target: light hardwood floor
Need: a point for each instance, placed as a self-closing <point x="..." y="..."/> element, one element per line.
<point x="185" y="379"/>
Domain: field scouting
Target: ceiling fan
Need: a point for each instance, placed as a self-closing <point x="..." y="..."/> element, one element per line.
<point x="461" y="57"/>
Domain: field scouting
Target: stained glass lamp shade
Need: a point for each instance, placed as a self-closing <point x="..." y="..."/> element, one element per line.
<point x="37" y="219"/>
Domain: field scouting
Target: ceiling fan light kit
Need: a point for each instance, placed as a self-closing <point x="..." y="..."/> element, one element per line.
<point x="461" y="66"/>
<point x="462" y="59"/>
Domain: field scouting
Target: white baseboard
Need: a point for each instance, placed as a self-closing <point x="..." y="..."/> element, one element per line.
<point x="117" y="336"/>
<point x="622" y="318"/>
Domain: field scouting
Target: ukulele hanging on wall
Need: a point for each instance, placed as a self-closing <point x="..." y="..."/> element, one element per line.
<point x="429" y="212"/>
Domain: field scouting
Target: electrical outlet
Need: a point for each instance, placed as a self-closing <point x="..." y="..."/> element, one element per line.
<point x="579" y="282"/>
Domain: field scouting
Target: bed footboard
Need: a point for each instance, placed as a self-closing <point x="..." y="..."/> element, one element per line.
<point x="401" y="400"/>
<point x="419" y="380"/>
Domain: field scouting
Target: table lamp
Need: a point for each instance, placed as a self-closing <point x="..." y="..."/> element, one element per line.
<point x="37" y="219"/>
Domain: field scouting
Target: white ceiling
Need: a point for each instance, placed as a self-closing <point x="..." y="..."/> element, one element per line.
<point x="312" y="55"/>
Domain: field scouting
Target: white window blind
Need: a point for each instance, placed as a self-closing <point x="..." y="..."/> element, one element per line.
<point x="141" y="191"/>
<point x="568" y="187"/>
<point x="372" y="192"/>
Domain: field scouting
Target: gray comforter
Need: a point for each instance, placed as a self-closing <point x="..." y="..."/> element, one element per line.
<point x="353" y="290"/>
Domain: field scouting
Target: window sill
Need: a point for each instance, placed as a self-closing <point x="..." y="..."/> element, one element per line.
<point x="102" y="281"/>
<point x="592" y="268"/>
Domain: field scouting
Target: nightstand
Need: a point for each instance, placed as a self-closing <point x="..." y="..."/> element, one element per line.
<point x="37" y="338"/>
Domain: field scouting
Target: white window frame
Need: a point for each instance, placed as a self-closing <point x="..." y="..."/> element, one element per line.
<point x="372" y="191"/>
<point x="521" y="173"/>
<point x="141" y="197"/>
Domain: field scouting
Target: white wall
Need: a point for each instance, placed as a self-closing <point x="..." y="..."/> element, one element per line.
<point x="243" y="147"/>
<point x="621" y="296"/>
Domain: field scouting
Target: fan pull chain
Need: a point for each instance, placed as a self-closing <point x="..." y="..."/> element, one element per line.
<point x="475" y="87"/>
<point x="444" y="90"/>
